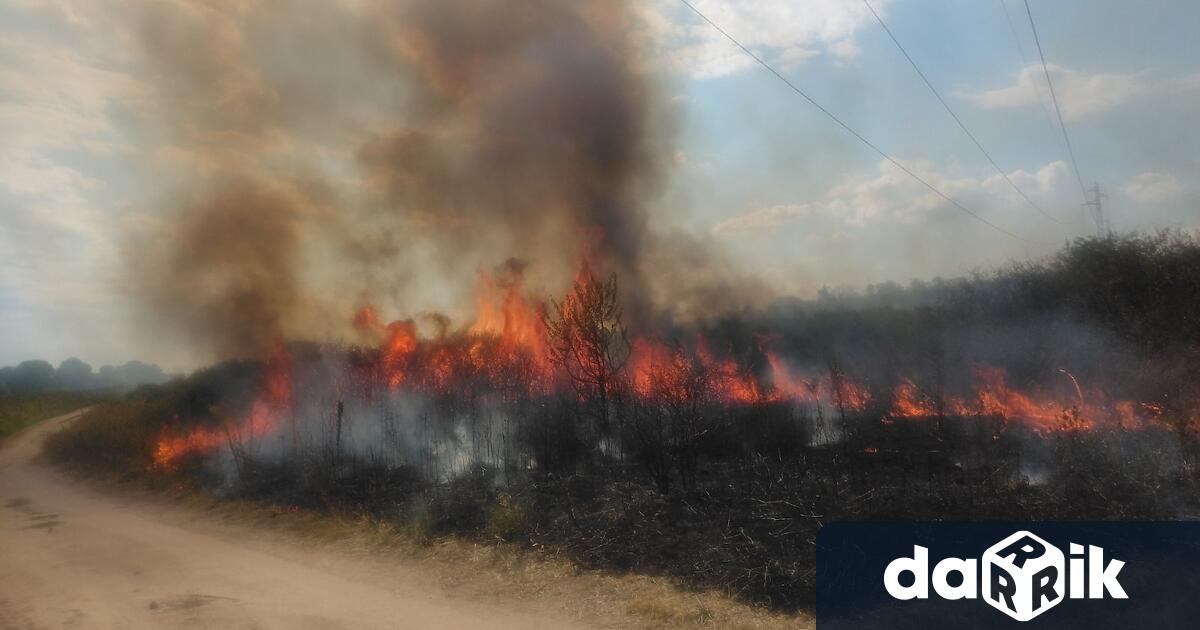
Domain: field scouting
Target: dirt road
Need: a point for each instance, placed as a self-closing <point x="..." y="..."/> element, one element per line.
<point x="71" y="557"/>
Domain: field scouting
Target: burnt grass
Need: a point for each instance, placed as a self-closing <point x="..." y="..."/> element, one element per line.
<point x="747" y="527"/>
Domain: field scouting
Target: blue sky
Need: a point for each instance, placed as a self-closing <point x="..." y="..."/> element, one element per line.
<point x="756" y="171"/>
<point x="781" y="181"/>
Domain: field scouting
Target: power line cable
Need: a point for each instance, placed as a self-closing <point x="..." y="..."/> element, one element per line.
<point x="769" y="68"/>
<point x="953" y="115"/>
<point x="1036" y="89"/>
<point x="1057" y="109"/>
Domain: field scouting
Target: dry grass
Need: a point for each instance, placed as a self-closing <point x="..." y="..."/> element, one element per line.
<point x="501" y="573"/>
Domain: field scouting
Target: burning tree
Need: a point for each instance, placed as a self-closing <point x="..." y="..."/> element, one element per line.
<point x="588" y="340"/>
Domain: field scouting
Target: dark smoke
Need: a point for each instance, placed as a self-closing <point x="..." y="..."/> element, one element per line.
<point x="444" y="137"/>
<point x="228" y="270"/>
<point x="530" y="133"/>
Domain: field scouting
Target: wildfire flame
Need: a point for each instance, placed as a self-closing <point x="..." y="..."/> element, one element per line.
<point x="835" y="390"/>
<point x="1044" y="412"/>
<point x="273" y="400"/>
<point x="506" y="350"/>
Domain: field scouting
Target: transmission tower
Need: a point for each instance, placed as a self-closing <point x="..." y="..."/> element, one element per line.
<point x="1095" y="204"/>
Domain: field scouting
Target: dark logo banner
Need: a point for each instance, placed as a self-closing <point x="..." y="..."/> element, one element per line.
<point x="930" y="576"/>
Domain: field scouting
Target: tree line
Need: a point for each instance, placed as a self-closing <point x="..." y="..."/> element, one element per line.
<point x="73" y="374"/>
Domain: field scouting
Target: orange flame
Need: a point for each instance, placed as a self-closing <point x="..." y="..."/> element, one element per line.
<point x="645" y="359"/>
<point x="909" y="402"/>
<point x="506" y="346"/>
<point x="1044" y="412"/>
<point x="397" y="351"/>
<point x="275" y="396"/>
<point x="733" y="384"/>
<point x="841" y="392"/>
<point x="507" y="350"/>
<point x="505" y="313"/>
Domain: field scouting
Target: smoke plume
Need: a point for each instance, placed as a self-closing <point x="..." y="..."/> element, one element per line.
<point x="327" y="154"/>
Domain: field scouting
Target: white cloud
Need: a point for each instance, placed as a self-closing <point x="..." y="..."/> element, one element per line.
<point x="845" y="50"/>
<point x="892" y="196"/>
<point x="766" y="218"/>
<point x="783" y="32"/>
<point x="1153" y="187"/>
<point x="1079" y="94"/>
<point x="55" y="116"/>
<point x="64" y="92"/>
<point x="1043" y="181"/>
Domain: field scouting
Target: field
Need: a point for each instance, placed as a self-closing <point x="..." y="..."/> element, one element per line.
<point x="20" y="411"/>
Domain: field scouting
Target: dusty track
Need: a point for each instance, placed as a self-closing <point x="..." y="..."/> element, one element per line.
<point x="71" y="557"/>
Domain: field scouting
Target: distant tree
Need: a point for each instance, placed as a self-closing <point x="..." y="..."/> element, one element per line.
<point x="137" y="373"/>
<point x="129" y="375"/>
<point x="6" y="380"/>
<point x="33" y="377"/>
<point x="74" y="374"/>
<point x="106" y="376"/>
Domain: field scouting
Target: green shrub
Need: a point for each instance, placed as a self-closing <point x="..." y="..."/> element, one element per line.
<point x="417" y="520"/>
<point x="508" y="518"/>
<point x="115" y="437"/>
